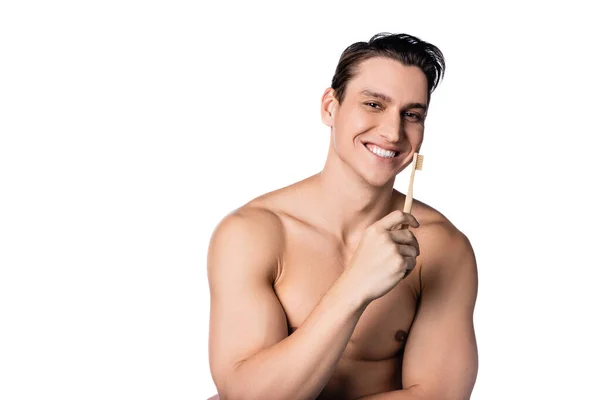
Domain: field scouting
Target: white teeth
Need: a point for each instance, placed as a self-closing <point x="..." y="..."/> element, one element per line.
<point x="381" y="152"/>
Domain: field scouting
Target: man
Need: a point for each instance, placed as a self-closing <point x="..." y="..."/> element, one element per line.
<point x="312" y="295"/>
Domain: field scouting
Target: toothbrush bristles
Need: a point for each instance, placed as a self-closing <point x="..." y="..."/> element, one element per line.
<point x="419" y="164"/>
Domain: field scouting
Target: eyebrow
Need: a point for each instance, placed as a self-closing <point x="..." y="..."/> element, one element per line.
<point x="388" y="99"/>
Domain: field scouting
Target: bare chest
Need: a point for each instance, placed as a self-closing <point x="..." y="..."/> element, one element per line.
<point x="311" y="265"/>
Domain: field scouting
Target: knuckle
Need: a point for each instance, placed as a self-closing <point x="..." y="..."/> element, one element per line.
<point x="374" y="230"/>
<point x="403" y="261"/>
<point x="398" y="258"/>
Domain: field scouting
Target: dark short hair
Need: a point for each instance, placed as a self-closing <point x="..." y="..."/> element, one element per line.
<point x="409" y="50"/>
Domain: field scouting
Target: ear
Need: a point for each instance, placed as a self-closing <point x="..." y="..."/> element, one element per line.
<point x="329" y="106"/>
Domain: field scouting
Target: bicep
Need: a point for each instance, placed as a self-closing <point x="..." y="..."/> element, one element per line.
<point x="245" y="313"/>
<point x="441" y="352"/>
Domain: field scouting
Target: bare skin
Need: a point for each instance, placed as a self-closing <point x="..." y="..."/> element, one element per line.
<point x="291" y="314"/>
<point x="312" y="261"/>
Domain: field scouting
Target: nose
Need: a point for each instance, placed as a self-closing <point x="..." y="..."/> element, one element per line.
<point x="391" y="129"/>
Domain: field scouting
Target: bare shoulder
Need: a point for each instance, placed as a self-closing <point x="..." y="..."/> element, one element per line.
<point x="437" y="224"/>
<point x="256" y="215"/>
<point x="251" y="232"/>
<point x="257" y="226"/>
<point x="445" y="249"/>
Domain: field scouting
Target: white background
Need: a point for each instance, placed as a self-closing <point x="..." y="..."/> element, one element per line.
<point x="129" y="129"/>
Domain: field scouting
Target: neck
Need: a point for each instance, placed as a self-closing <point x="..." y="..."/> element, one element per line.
<point x="347" y="203"/>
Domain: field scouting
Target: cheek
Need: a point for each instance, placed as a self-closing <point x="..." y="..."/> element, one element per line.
<point x="353" y="123"/>
<point x="415" y="136"/>
<point x="418" y="132"/>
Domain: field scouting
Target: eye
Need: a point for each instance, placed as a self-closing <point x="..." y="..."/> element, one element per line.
<point x="414" y="116"/>
<point x="372" y="104"/>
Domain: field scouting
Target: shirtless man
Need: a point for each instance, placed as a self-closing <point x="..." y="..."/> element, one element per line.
<point x="312" y="294"/>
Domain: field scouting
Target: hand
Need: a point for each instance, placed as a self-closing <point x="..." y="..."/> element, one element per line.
<point x="385" y="255"/>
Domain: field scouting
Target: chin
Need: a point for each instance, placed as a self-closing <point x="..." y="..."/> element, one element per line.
<point x="378" y="179"/>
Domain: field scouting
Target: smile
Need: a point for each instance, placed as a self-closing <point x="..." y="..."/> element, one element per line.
<point x="378" y="151"/>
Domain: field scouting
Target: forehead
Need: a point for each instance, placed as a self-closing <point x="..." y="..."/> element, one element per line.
<point x="402" y="83"/>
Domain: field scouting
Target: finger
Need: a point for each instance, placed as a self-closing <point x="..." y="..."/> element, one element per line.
<point x="411" y="264"/>
<point x="405" y="237"/>
<point x="402" y="227"/>
<point x="408" y="251"/>
<point x="409" y="270"/>
<point x="396" y="218"/>
<point x="410" y="220"/>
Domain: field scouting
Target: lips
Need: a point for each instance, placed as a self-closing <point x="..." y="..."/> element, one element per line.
<point x="397" y="152"/>
<point x="382" y="146"/>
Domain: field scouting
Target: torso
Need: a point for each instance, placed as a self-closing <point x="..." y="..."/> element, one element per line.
<point x="311" y="262"/>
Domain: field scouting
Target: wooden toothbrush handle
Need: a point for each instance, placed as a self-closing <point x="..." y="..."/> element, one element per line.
<point x="409" y="194"/>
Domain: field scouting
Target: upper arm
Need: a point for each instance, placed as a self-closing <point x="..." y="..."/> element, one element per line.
<point x="440" y="359"/>
<point x="245" y="313"/>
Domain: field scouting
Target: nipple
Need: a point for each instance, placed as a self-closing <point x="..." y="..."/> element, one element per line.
<point x="400" y="336"/>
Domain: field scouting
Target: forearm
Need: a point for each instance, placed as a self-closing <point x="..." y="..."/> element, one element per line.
<point x="300" y="366"/>
<point x="405" y="394"/>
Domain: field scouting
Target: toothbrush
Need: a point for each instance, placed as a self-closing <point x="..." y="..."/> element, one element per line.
<point x="417" y="164"/>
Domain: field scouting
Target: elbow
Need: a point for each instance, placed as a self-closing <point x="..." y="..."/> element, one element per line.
<point x="419" y="392"/>
<point x="231" y="385"/>
<point x="225" y="384"/>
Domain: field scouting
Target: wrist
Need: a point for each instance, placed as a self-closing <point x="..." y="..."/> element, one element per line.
<point x="345" y="290"/>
